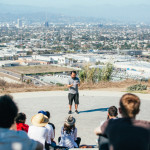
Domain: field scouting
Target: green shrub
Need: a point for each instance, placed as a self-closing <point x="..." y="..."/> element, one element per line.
<point x="59" y="84"/>
<point x="137" y="87"/>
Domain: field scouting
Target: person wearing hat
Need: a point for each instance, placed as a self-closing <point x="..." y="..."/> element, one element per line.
<point x="69" y="134"/>
<point x="50" y="127"/>
<point x="38" y="131"/>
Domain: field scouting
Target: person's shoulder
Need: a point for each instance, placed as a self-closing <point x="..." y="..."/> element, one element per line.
<point x="32" y="127"/>
<point x="102" y="122"/>
<point x="49" y="126"/>
<point x="142" y="123"/>
<point x="24" y="138"/>
<point x="109" y="122"/>
<point x="77" y="78"/>
<point x="52" y="125"/>
<point x="69" y="78"/>
<point x="25" y="125"/>
<point x="20" y="134"/>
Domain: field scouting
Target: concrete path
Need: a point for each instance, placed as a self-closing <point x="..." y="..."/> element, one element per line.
<point x="93" y="109"/>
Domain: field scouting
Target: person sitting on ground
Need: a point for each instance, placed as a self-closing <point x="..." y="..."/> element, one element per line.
<point x="53" y="126"/>
<point x="127" y="133"/>
<point x="51" y="132"/>
<point x="10" y="139"/>
<point x="112" y="114"/>
<point x="20" y="122"/>
<point x="102" y="140"/>
<point x="69" y="134"/>
<point x="38" y="131"/>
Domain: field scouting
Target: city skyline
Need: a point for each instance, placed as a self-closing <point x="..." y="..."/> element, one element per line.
<point x="126" y="11"/>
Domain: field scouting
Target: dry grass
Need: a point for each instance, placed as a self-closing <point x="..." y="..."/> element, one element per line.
<point x="108" y="86"/>
<point x="113" y="86"/>
<point x="6" y="87"/>
<point x="37" y="69"/>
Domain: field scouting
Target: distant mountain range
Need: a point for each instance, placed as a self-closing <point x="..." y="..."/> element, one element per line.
<point x="132" y="13"/>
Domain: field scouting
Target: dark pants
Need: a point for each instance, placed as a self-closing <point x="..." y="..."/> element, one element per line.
<point x="54" y="147"/>
<point x="77" y="141"/>
<point x="103" y="143"/>
<point x="73" y="97"/>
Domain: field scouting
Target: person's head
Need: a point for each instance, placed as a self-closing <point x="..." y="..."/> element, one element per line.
<point x="73" y="74"/>
<point x="8" y="111"/>
<point x="21" y="118"/>
<point x="48" y="114"/>
<point x="69" y="124"/>
<point x="129" y="105"/>
<point x="112" y="112"/>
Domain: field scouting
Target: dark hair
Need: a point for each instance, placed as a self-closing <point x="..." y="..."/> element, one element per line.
<point x="73" y="72"/>
<point x="21" y="117"/>
<point x="47" y="114"/>
<point x="8" y="111"/>
<point x="68" y="128"/>
<point x="113" y="111"/>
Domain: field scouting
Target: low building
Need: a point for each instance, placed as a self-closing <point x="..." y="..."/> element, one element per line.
<point x="131" y="52"/>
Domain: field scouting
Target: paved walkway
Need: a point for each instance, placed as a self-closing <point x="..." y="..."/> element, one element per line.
<point x="93" y="109"/>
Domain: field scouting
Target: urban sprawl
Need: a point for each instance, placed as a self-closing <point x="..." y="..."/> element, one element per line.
<point x="126" y="47"/>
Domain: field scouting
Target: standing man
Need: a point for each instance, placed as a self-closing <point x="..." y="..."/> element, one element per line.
<point x="73" y="94"/>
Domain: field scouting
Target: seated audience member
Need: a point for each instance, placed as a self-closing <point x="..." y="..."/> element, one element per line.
<point x="53" y="143"/>
<point x="127" y="133"/>
<point x="10" y="139"/>
<point x="112" y="114"/>
<point x="51" y="135"/>
<point x="102" y="140"/>
<point x="20" y="122"/>
<point x="53" y="126"/>
<point x="38" y="131"/>
<point x="69" y="134"/>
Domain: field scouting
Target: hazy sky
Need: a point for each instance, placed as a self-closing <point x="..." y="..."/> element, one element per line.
<point x="66" y="3"/>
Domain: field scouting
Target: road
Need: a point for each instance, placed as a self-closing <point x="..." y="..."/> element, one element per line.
<point x="18" y="76"/>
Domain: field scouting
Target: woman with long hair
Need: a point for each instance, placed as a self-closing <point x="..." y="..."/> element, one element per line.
<point x="69" y="134"/>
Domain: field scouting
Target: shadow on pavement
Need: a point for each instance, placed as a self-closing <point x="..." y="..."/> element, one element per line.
<point x="93" y="110"/>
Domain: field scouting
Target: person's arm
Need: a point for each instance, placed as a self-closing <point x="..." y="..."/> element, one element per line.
<point x="48" y="135"/>
<point x="101" y="129"/>
<point x="79" y="83"/>
<point x="69" y="85"/>
<point x="53" y="134"/>
<point x="98" y="131"/>
<point x="75" y="134"/>
<point x="39" y="146"/>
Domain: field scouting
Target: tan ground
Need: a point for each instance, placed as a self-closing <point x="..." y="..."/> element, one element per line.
<point x="37" y="69"/>
<point x="102" y="86"/>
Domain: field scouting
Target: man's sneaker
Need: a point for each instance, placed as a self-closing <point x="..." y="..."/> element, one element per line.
<point x="70" y="112"/>
<point x="76" y="111"/>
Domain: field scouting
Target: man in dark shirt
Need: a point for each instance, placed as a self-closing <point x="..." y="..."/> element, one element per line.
<point x="126" y="133"/>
